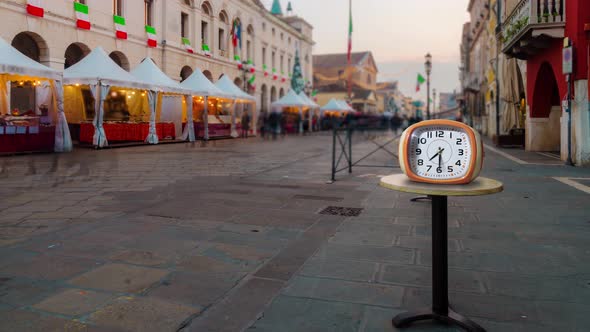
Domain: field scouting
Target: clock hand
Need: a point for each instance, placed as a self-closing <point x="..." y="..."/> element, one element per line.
<point x="439" y="158"/>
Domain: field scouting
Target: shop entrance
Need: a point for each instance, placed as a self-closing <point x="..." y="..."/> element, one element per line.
<point x="544" y="123"/>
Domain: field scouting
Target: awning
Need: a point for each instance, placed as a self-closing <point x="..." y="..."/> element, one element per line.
<point x="148" y="71"/>
<point x="309" y="102"/>
<point x="291" y="99"/>
<point x="201" y="85"/>
<point x="226" y="85"/>
<point x="13" y="62"/>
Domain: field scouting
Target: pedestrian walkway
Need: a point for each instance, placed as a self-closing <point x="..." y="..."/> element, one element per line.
<point x="239" y="235"/>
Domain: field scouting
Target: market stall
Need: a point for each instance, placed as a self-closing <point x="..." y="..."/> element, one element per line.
<point x="293" y="110"/>
<point x="210" y="108"/>
<point x="242" y="102"/>
<point x="171" y="102"/>
<point x="333" y="113"/>
<point x="313" y="113"/>
<point x="106" y="103"/>
<point x="31" y="105"/>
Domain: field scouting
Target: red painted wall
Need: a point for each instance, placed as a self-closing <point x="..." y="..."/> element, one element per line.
<point x="577" y="14"/>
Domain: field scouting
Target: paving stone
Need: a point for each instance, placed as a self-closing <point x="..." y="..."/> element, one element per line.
<point x="366" y="253"/>
<point x="295" y="314"/>
<point x="73" y="302"/>
<point x="340" y="269"/>
<point x="138" y="257"/>
<point x="378" y="319"/>
<point x="345" y="291"/>
<point x="240" y="309"/>
<point x="22" y="291"/>
<point x="198" y="263"/>
<point x="197" y="290"/>
<point x="424" y="243"/>
<point x="49" y="267"/>
<point x="142" y="314"/>
<point x="21" y="320"/>
<point x="420" y="276"/>
<point x="120" y="278"/>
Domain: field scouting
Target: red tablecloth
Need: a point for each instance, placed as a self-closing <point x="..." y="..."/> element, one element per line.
<point x="44" y="140"/>
<point x="215" y="130"/>
<point x="127" y="132"/>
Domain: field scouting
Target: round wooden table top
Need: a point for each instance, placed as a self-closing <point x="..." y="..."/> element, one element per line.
<point x="479" y="186"/>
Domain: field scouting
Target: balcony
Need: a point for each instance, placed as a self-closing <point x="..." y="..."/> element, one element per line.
<point x="531" y="26"/>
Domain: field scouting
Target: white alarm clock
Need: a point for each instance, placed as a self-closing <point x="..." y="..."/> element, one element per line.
<point x="441" y="152"/>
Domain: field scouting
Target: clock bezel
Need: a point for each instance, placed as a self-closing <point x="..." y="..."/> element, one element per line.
<point x="475" y="162"/>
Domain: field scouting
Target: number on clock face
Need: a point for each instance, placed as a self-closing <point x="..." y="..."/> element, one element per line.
<point x="439" y="152"/>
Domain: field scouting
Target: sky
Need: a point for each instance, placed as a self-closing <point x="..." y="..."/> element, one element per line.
<point x="398" y="33"/>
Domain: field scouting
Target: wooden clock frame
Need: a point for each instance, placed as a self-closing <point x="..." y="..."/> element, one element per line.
<point x="476" y="156"/>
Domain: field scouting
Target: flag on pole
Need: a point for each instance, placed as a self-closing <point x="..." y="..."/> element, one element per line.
<point x="120" y="27"/>
<point x="350" y="31"/>
<point x="151" y="33"/>
<point x="236" y="34"/>
<point x="187" y="45"/>
<point x="206" y="50"/>
<point x="35" y="8"/>
<point x="82" y="19"/>
<point x="419" y="81"/>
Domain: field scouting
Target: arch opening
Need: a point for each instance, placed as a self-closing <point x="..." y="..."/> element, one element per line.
<point x="120" y="59"/>
<point x="185" y="72"/>
<point x="32" y="45"/>
<point x="74" y="53"/>
<point x="208" y="75"/>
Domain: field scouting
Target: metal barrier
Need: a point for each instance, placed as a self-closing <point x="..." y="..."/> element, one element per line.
<point x="342" y="141"/>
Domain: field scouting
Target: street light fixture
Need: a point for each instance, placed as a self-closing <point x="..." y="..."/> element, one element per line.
<point x="428" y="67"/>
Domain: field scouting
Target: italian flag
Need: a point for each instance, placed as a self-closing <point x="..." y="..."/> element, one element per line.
<point x="274" y="74"/>
<point x="151" y="33"/>
<point x="238" y="61"/>
<point x="265" y="68"/>
<point x="206" y="50"/>
<point x="251" y="82"/>
<point x="251" y="67"/>
<point x="187" y="45"/>
<point x="120" y="27"/>
<point x="35" y="8"/>
<point x="419" y="81"/>
<point x="283" y="78"/>
<point x="82" y="20"/>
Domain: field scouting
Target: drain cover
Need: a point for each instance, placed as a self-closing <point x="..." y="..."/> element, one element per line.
<point x="342" y="211"/>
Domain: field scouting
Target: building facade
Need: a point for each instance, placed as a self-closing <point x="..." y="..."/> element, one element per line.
<point x="182" y="35"/>
<point x="331" y="75"/>
<point x="536" y="31"/>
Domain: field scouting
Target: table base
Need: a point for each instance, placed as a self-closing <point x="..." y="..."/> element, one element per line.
<point x="451" y="317"/>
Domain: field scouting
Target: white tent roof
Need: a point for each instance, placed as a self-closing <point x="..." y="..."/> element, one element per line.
<point x="291" y="99"/>
<point x="13" y="62"/>
<point x="336" y="106"/>
<point x="201" y="85"/>
<point x="226" y="85"/>
<point x="99" y="67"/>
<point x="344" y="104"/>
<point x="148" y="71"/>
<point x="306" y="99"/>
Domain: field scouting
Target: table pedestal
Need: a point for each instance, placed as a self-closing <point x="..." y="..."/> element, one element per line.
<point x="440" y="294"/>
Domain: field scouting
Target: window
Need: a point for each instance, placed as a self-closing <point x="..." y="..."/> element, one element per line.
<point x="264" y="56"/>
<point x="273" y="60"/>
<point x="369" y="79"/>
<point x="282" y="69"/>
<point x="148" y="12"/>
<point x="289" y="64"/>
<point x="248" y="50"/>
<point x="184" y="25"/>
<point x="205" y="9"/>
<point x="81" y="1"/>
<point x="204" y="34"/>
<point x="188" y="3"/>
<point x="289" y="40"/>
<point x="118" y="7"/>
<point x="282" y="36"/>
<point x="263" y="26"/>
<point x="221" y="41"/>
<point x="273" y="32"/>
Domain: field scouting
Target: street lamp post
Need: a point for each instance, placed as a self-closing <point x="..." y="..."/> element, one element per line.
<point x="434" y="103"/>
<point x="428" y="67"/>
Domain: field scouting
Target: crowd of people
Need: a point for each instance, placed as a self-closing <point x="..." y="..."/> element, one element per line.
<point x="275" y="124"/>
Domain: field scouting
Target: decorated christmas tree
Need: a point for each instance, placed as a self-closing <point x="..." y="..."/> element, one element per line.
<point x="297" y="81"/>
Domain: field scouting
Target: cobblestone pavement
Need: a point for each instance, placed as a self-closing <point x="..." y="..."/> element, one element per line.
<point x="229" y="237"/>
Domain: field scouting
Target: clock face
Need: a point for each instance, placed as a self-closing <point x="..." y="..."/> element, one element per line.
<point x="439" y="152"/>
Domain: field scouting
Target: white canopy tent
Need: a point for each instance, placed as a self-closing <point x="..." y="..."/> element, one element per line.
<point x="226" y="85"/>
<point x="292" y="99"/>
<point x="310" y="102"/>
<point x="201" y="86"/>
<point x="169" y="98"/>
<point x="336" y="106"/>
<point x="100" y="73"/>
<point x="345" y="105"/>
<point x="15" y="66"/>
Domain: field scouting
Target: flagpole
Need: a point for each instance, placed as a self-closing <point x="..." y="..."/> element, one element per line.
<point x="350" y="52"/>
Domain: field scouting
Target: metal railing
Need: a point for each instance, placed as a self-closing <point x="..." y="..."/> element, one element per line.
<point x="532" y="12"/>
